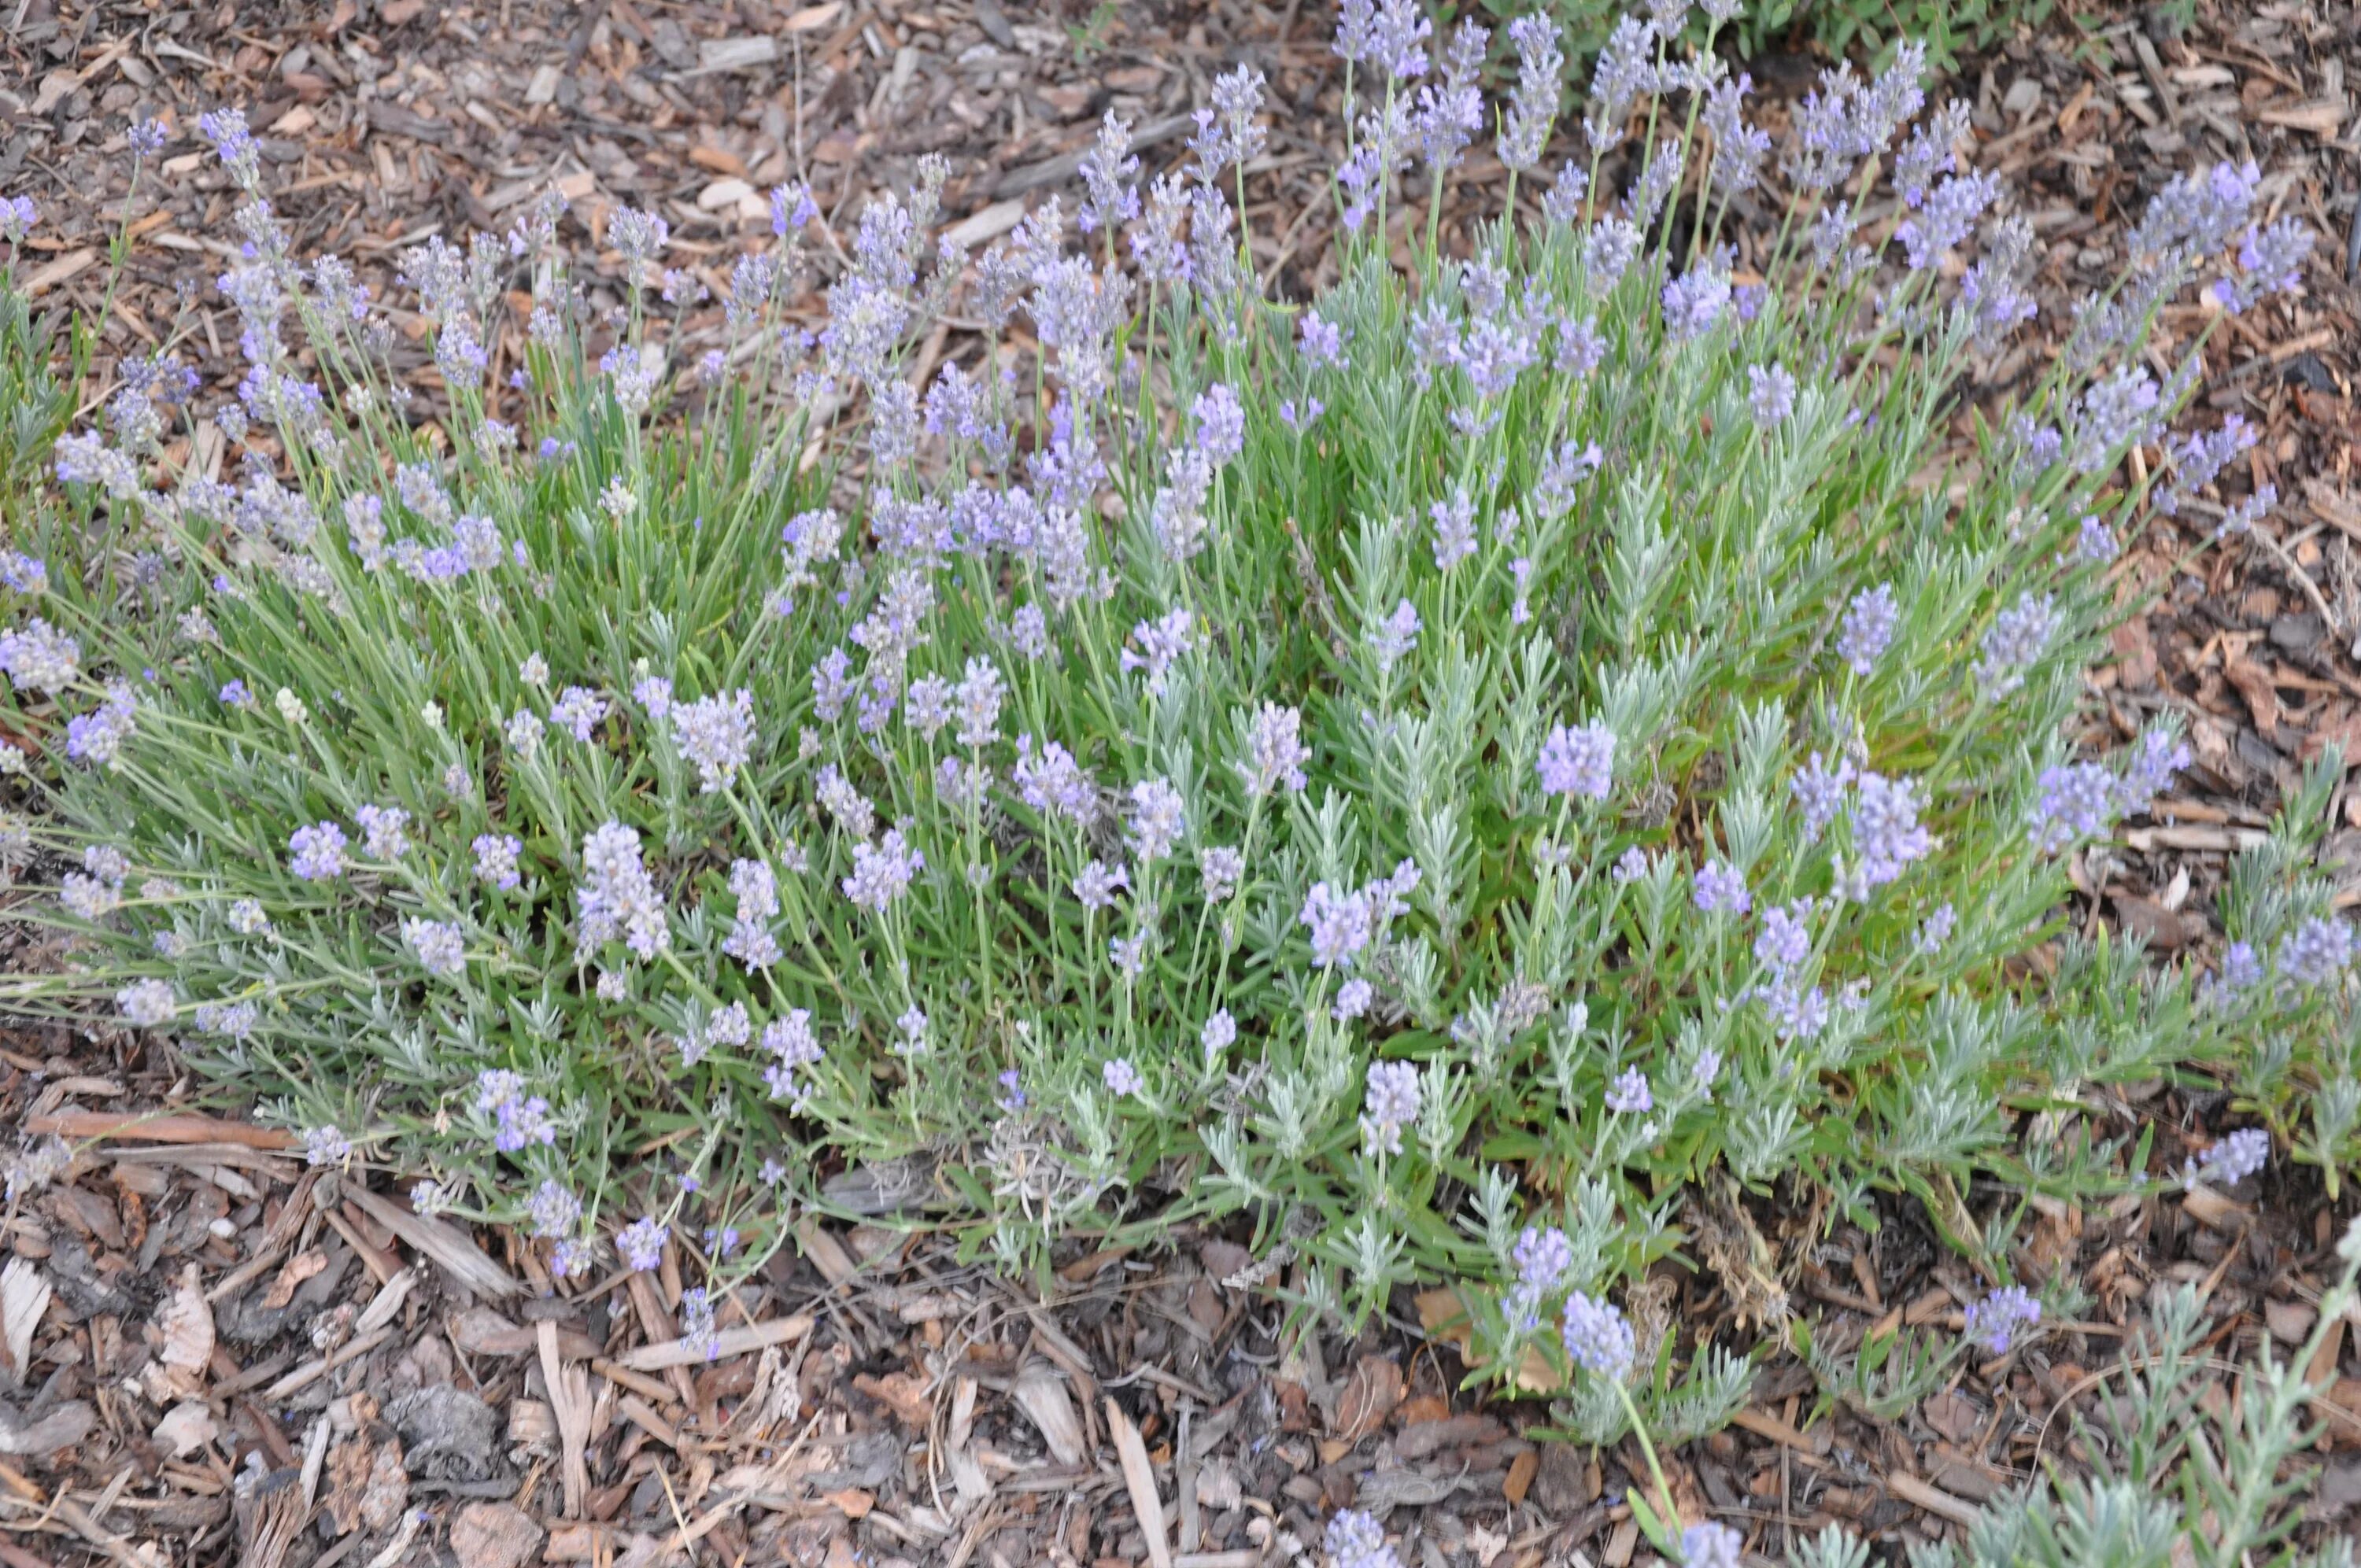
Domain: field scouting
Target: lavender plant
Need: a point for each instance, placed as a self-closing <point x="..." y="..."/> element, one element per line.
<point x="1422" y="775"/>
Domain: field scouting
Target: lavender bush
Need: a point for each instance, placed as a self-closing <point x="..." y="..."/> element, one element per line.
<point x="1428" y="773"/>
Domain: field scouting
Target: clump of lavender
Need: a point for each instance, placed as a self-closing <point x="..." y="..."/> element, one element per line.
<point x="1515" y="713"/>
<point x="1996" y="1321"/>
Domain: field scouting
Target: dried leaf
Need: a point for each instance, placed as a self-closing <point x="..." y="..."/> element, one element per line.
<point x="187" y="1324"/>
<point x="186" y="1427"/>
<point x="905" y="1395"/>
<point x="292" y="1274"/>
<point x="1369" y="1395"/>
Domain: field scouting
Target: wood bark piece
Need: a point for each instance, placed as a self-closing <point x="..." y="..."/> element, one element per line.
<point x="1139" y="1479"/>
<point x="569" y="1403"/>
<point x="727" y="1343"/>
<point x="84" y="1125"/>
<point x="462" y="1258"/>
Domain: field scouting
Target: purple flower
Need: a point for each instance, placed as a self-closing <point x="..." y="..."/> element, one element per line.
<point x="1598" y="1337"/>
<point x="2317" y="952"/>
<point x="318" y="852"/>
<point x="1948" y="217"/>
<point x="642" y="1244"/>
<point x="1275" y="750"/>
<point x="1451" y="111"/>
<point x="2237" y="1157"/>
<point x="2148" y="771"/>
<point x="1868" y="629"/>
<point x="1357" y="1540"/>
<point x="2078" y="801"/>
<point x="1394" y="637"/>
<point x="1711" y="1545"/>
<point x="1122" y="1079"/>
<point x="17" y="217"/>
<point x="1389" y="1104"/>
<point x="1820" y="793"/>
<point x="1578" y="762"/>
<point x="1739" y="149"/>
<point x="496" y="859"/>
<point x="2094" y="541"/>
<point x="1221" y="424"/>
<point x="2272" y="263"/>
<point x="1786" y="940"/>
<point x="881" y="872"/>
<point x="1994" y="1321"/>
<point x="1886" y="834"/>
<point x="1626" y="69"/>
<point x="555" y="1212"/>
<point x="1694" y="301"/>
<point x="1628" y="1094"/>
<point x="1771" y="395"/>
<point x="1108" y="171"/>
<point x="441" y="947"/>
<point x="1721" y="889"/>
<point x="1532" y="108"/>
<point x="146" y="137"/>
<point x="791" y="208"/>
<point x="326" y="1145"/>
<point x="1322" y="341"/>
<point x="2015" y="640"/>
<point x="1455" y="529"/>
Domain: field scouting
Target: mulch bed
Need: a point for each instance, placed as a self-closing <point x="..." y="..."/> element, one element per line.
<point x="213" y="1354"/>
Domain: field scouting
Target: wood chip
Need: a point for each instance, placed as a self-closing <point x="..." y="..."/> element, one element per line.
<point x="724" y="1346"/>
<point x="1934" y="1500"/>
<point x="1139" y="1480"/>
<point x="441" y="1241"/>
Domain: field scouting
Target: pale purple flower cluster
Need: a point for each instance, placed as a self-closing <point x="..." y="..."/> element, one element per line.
<point x="1598" y="1337"/>
<point x="617" y="899"/>
<point x="317" y="853"/>
<point x="326" y="1145"/>
<point x="1578" y="762"/>
<point x="1275" y="750"/>
<point x="1886" y="834"/>
<point x="2271" y="261"/>
<point x="1542" y="1258"/>
<point x="497" y="856"/>
<point x="577" y="710"/>
<point x="1390" y="1104"/>
<point x="717" y="735"/>
<point x="1721" y="889"/>
<point x="794" y="1049"/>
<point x="1532" y="106"/>
<point x="147" y="1004"/>
<point x="96" y="738"/>
<point x="2199" y="457"/>
<point x="2237" y="1157"/>
<point x="883" y="871"/>
<point x="441" y="946"/>
<point x="1771" y="395"/>
<point x="1344" y="924"/>
<point x="384" y="831"/>
<point x="642" y="1244"/>
<point x="1122" y="1079"/>
<point x="1355" y="1540"/>
<point x="756" y="889"/>
<point x="1710" y="1545"/>
<point x="2317" y="952"/>
<point x="2015" y="641"/>
<point x="1628" y="1094"/>
<point x="1995" y="1322"/>
<point x="39" y="658"/>
<point x="1867" y="630"/>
